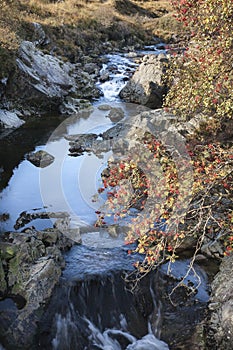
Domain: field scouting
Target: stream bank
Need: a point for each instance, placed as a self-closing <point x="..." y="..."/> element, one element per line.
<point x="47" y="251"/>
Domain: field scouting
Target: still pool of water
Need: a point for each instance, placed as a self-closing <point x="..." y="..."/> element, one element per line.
<point x="69" y="183"/>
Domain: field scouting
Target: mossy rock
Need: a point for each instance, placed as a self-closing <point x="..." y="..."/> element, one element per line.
<point x="30" y="248"/>
<point x="15" y="273"/>
<point x="3" y="284"/>
<point x="50" y="237"/>
<point x="7" y="250"/>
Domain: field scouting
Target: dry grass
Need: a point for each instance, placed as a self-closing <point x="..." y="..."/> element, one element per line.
<point x="69" y="22"/>
<point x="81" y="12"/>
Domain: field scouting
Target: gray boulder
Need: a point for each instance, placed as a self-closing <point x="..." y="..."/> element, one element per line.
<point x="40" y="158"/>
<point x="39" y="37"/>
<point x="43" y="81"/>
<point x="80" y="143"/>
<point x="72" y="105"/>
<point x="91" y="68"/>
<point x="31" y="263"/>
<point x="147" y="86"/>
<point x="104" y="76"/>
<point x="9" y="119"/>
<point x="219" y="329"/>
<point x="104" y="107"/>
<point x="116" y="114"/>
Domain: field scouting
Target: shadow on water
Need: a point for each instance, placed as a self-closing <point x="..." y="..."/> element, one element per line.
<point x="94" y="308"/>
<point x="16" y="144"/>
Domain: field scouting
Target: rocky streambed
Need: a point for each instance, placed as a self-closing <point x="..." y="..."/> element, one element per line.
<point x="52" y="300"/>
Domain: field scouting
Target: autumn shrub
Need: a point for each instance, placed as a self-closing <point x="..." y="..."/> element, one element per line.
<point x="8" y="37"/>
<point x="170" y="200"/>
<point x="201" y="80"/>
<point x="202" y="77"/>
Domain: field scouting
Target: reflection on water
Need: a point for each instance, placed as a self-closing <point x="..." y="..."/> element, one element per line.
<point x="69" y="183"/>
<point x="27" y="190"/>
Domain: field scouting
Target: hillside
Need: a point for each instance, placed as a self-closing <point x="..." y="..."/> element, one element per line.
<point x="75" y="27"/>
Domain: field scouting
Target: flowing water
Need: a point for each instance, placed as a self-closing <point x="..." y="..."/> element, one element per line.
<point x="93" y="307"/>
<point x="68" y="184"/>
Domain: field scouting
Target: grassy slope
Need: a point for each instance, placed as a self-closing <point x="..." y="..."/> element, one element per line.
<point x="79" y="25"/>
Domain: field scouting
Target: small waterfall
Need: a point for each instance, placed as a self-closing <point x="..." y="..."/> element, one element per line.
<point x="155" y="319"/>
<point x="64" y="328"/>
<point x="94" y="308"/>
<point x="101" y="313"/>
<point x="108" y="340"/>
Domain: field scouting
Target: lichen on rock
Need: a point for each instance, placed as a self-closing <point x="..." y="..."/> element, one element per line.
<point x="31" y="263"/>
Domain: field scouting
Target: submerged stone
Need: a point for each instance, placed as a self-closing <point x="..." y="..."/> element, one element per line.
<point x="104" y="107"/>
<point x="116" y="114"/>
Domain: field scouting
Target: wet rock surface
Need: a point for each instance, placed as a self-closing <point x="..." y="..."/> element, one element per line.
<point x="104" y="107"/>
<point x="72" y="105"/>
<point x="116" y="114"/>
<point x="80" y="143"/>
<point x="31" y="263"/>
